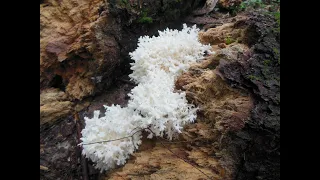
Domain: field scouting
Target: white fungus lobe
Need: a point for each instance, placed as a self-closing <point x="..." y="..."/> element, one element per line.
<point x="153" y="103"/>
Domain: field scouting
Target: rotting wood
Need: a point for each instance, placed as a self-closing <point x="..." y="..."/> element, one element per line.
<point x="83" y="160"/>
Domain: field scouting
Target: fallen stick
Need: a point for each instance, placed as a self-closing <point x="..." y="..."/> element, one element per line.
<point x="44" y="168"/>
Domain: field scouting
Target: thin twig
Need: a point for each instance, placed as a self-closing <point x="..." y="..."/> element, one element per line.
<point x="173" y="142"/>
<point x="112" y="139"/>
<point x="120" y="175"/>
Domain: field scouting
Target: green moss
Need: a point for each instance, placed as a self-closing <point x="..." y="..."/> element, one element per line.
<point x="249" y="4"/>
<point x="267" y="62"/>
<point x="254" y="4"/>
<point x="124" y="4"/>
<point x="276" y="51"/>
<point x="229" y="40"/>
<point x="144" y="18"/>
<point x="276" y="54"/>
<point x="242" y="6"/>
<point x="265" y="72"/>
<point x="277" y="17"/>
<point x="277" y="78"/>
<point x="252" y="77"/>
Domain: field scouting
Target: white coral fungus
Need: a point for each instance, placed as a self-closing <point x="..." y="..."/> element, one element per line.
<point x="153" y="102"/>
